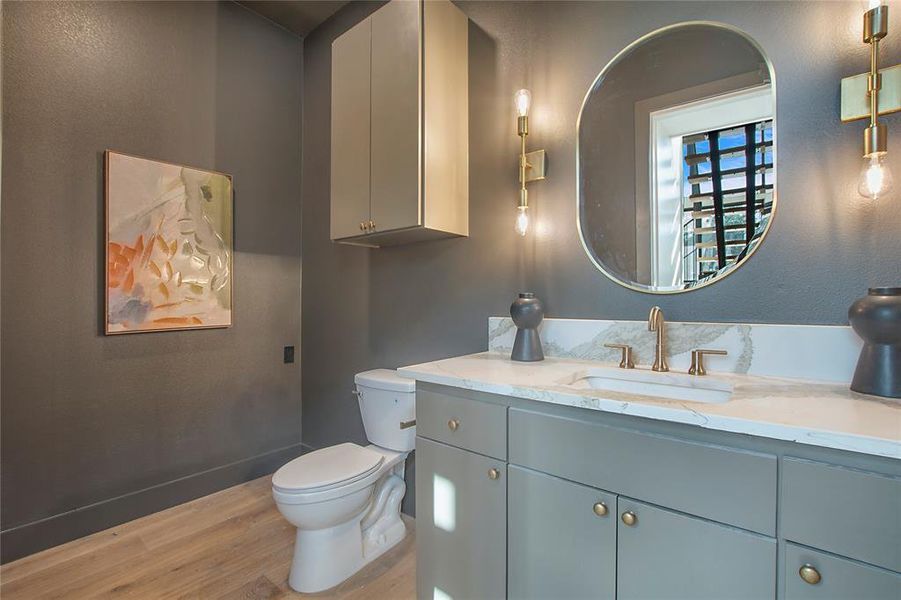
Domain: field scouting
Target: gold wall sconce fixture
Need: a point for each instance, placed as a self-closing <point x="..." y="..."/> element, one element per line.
<point x="532" y="165"/>
<point x="869" y="96"/>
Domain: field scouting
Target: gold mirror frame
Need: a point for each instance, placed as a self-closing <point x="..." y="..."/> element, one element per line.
<point x="646" y="289"/>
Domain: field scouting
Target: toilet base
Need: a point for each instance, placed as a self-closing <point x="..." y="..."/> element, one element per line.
<point x="323" y="558"/>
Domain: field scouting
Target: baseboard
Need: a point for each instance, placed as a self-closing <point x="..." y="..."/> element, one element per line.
<point x="22" y="540"/>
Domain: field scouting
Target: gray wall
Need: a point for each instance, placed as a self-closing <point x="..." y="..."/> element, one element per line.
<point x="97" y="430"/>
<point x="826" y="244"/>
<point x="389" y="307"/>
<point x="364" y="309"/>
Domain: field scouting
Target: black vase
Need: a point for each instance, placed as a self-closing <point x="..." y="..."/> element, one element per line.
<point x="877" y="319"/>
<point x="527" y="312"/>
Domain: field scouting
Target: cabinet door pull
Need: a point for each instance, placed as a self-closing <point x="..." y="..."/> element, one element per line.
<point x="630" y="518"/>
<point x="494" y="474"/>
<point x="453" y="424"/>
<point x="809" y="574"/>
<point x="600" y="509"/>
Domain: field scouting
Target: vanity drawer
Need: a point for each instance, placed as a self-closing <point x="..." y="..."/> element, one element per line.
<point x="730" y="486"/>
<point x="839" y="579"/>
<point x="849" y="512"/>
<point x="462" y="422"/>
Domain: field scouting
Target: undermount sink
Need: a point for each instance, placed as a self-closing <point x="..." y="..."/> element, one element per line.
<point x="670" y="386"/>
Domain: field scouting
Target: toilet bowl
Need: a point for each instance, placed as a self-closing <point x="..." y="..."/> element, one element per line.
<point x="345" y="500"/>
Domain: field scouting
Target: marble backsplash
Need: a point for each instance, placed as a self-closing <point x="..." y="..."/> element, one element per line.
<point x="811" y="352"/>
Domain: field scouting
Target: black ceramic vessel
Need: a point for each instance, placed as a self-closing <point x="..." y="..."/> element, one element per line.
<point x="527" y="312"/>
<point x="877" y="319"/>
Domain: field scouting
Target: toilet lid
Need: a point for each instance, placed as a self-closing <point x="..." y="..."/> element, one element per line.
<point x="327" y="467"/>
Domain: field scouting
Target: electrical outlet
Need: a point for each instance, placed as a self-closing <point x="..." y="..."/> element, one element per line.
<point x="289" y="354"/>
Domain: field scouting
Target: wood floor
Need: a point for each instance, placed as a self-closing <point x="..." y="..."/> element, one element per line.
<point x="233" y="544"/>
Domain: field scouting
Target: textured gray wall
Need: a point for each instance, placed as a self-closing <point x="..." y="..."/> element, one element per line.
<point x="826" y="244"/>
<point x="389" y="307"/>
<point x="97" y="430"/>
<point x="364" y="309"/>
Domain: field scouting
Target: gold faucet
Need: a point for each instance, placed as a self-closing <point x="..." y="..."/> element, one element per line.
<point x="657" y="323"/>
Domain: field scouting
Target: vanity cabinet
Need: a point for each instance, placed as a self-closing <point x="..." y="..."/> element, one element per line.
<point x="520" y="499"/>
<point x="400" y="126"/>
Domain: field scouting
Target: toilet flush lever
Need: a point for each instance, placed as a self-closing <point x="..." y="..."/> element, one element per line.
<point x="407" y="424"/>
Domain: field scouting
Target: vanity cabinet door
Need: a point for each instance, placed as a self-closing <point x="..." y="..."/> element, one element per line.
<point x="562" y="539"/>
<point x="350" y="132"/>
<point x="461" y="524"/>
<point x="664" y="554"/>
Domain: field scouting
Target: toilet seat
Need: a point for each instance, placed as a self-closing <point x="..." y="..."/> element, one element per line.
<point x="328" y="469"/>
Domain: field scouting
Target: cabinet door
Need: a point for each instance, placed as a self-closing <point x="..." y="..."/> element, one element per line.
<point x="665" y="554"/>
<point x="559" y="546"/>
<point x="461" y="524"/>
<point x="396" y="115"/>
<point x="350" y="132"/>
<point x="840" y="579"/>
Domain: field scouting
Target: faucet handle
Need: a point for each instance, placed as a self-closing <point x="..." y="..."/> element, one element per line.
<point x="626" y="362"/>
<point x="697" y="360"/>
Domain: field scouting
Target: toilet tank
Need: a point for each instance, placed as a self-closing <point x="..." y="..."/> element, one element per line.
<point x="388" y="407"/>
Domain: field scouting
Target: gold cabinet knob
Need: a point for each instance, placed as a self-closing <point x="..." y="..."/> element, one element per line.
<point x="809" y="574"/>
<point x="372" y="225"/>
<point x="630" y="518"/>
<point x="600" y="509"/>
<point x="453" y="424"/>
<point x="362" y="226"/>
<point x="494" y="474"/>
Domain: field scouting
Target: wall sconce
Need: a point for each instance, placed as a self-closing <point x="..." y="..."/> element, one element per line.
<point x="532" y="165"/>
<point x="862" y="97"/>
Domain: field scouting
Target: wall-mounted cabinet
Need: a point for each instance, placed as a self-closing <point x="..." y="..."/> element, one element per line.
<point x="400" y="126"/>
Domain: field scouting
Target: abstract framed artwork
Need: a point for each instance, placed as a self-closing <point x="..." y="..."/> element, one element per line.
<point x="169" y="245"/>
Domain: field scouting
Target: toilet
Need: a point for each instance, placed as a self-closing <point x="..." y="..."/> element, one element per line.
<point x="345" y="499"/>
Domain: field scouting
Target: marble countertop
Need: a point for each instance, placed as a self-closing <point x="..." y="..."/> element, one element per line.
<point x="819" y="414"/>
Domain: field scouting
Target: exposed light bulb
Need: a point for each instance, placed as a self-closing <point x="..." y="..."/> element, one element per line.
<point x="875" y="177"/>
<point x="523" y="100"/>
<point x="522" y="220"/>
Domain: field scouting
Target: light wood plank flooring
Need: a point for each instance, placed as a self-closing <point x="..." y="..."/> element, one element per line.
<point x="233" y="544"/>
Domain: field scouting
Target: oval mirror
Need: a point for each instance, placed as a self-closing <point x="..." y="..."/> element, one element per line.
<point x="675" y="155"/>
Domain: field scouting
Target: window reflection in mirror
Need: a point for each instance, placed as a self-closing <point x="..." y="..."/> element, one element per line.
<point x="676" y="170"/>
